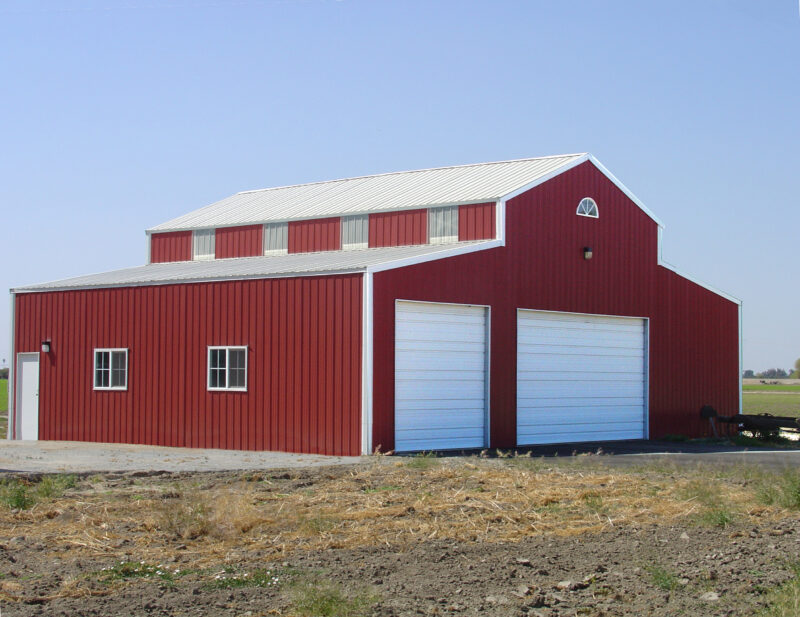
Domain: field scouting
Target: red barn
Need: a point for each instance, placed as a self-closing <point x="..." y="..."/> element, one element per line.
<point x="492" y="305"/>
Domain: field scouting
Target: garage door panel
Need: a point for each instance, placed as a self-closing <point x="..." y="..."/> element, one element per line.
<point x="440" y="376"/>
<point x="569" y="390"/>
<point x="589" y="401"/>
<point x="435" y="391"/>
<point x="579" y="377"/>
<point x="577" y="351"/>
<point x="581" y="415"/>
<point x="606" y="364"/>
<point x="578" y="436"/>
<point x="469" y="423"/>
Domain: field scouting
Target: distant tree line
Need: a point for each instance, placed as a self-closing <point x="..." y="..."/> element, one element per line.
<point x="775" y="373"/>
<point x="3" y="373"/>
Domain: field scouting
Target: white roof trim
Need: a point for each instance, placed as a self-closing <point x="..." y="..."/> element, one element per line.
<point x="625" y="190"/>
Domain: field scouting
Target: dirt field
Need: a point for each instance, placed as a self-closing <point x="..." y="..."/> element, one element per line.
<point x="405" y="536"/>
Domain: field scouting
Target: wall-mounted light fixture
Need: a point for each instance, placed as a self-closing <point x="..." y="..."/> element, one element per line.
<point x="587" y="252"/>
<point x="46" y="346"/>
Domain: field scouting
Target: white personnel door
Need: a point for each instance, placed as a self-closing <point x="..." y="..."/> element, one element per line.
<point x="28" y="395"/>
<point x="440" y="376"/>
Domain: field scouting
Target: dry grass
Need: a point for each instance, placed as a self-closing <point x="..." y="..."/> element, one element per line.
<point x="215" y="520"/>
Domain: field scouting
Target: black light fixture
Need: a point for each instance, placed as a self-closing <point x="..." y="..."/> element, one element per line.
<point x="587" y="252"/>
<point x="46" y="346"/>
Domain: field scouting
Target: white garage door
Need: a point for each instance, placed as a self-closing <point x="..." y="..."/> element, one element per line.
<point x="580" y="377"/>
<point x="440" y="376"/>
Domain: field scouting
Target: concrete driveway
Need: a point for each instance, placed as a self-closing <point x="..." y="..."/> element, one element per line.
<point x="80" y="457"/>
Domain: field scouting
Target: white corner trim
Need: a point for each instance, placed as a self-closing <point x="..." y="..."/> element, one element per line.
<point x="149" y="248"/>
<point x="740" y="358"/>
<point x="12" y="424"/>
<point x="443" y="254"/>
<point x="541" y="180"/>
<point x="624" y="189"/>
<point x="366" y="364"/>
<point x="500" y="220"/>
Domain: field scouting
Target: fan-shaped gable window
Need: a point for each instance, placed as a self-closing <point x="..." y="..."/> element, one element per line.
<point x="587" y="207"/>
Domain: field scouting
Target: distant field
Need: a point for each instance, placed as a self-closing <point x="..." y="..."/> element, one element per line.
<point x="771" y="388"/>
<point x="779" y="403"/>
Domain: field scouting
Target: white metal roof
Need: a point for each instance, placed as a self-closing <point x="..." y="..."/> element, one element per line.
<point x="265" y="267"/>
<point x="393" y="191"/>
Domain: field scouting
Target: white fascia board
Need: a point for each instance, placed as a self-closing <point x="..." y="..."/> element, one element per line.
<point x="710" y="288"/>
<point x="542" y="179"/>
<point x="315" y="217"/>
<point x="12" y="425"/>
<point x="418" y="259"/>
<point x="624" y="189"/>
<point x="366" y="365"/>
<point x="222" y="279"/>
<point x="669" y="266"/>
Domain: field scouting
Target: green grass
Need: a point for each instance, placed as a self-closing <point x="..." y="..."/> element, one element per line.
<point x="230" y="578"/>
<point x="20" y="494"/>
<point x="784" y="601"/>
<point x="662" y="578"/>
<point x="775" y="403"/>
<point x="3" y="407"/>
<point x="125" y="570"/>
<point x="321" y="598"/>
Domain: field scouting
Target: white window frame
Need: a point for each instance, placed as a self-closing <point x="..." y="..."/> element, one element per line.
<point x="109" y="351"/>
<point x="228" y="349"/>
<point x="585" y="206"/>
<point x="209" y="233"/>
<point x="283" y="231"/>
<point x="362" y="220"/>
<point x="443" y="211"/>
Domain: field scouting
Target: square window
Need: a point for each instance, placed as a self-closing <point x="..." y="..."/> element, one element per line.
<point x="227" y="368"/>
<point x="110" y="369"/>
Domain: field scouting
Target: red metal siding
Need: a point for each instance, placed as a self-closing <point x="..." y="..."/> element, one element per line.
<point x="694" y="344"/>
<point x="315" y="235"/>
<point x="244" y="241"/>
<point x="476" y="222"/>
<point x="172" y="246"/>
<point x="398" y="228"/>
<point x="304" y="363"/>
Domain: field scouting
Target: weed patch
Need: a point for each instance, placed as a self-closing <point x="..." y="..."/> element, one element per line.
<point x="783" y="490"/>
<point x="125" y="570"/>
<point x="230" y="578"/>
<point x="662" y="578"/>
<point x="22" y="494"/>
<point x="318" y="598"/>
<point x="785" y="600"/>
<point x="423" y="460"/>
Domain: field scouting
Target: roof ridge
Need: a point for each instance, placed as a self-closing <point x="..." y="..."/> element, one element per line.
<point x="410" y="171"/>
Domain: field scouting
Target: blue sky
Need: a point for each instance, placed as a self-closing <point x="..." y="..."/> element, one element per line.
<point x="118" y="115"/>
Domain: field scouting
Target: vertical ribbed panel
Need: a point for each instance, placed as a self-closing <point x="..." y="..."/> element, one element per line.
<point x="443" y="224"/>
<point x="355" y="231"/>
<point x="203" y="244"/>
<point x="693" y="333"/>
<point x="476" y="222"/>
<point x="304" y="363"/>
<point x="242" y="241"/>
<point x="172" y="246"/>
<point x="276" y="238"/>
<point x="315" y="235"/>
<point x="403" y="228"/>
